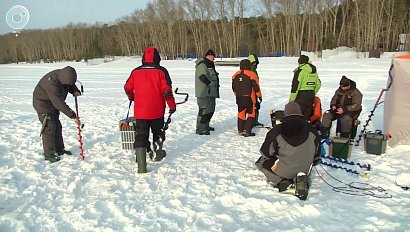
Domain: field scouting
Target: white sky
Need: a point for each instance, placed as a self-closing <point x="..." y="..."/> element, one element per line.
<point x="46" y="14"/>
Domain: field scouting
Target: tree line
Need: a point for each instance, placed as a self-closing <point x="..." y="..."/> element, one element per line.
<point x="180" y="28"/>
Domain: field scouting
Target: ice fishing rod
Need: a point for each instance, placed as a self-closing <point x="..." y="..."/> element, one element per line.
<point x="375" y="106"/>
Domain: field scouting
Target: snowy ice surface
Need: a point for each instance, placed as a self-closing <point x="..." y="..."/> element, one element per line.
<point x="206" y="183"/>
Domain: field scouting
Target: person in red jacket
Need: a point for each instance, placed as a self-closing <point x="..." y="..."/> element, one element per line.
<point x="150" y="87"/>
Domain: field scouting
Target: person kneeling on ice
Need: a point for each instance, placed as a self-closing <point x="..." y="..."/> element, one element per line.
<point x="150" y="87"/>
<point x="48" y="100"/>
<point x="288" y="152"/>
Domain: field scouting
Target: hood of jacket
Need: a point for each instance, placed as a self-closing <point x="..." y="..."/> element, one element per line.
<point x="310" y="68"/>
<point x="294" y="130"/>
<point x="151" y="56"/>
<point x="67" y="76"/>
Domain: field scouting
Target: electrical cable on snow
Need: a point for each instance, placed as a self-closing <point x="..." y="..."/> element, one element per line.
<point x="355" y="188"/>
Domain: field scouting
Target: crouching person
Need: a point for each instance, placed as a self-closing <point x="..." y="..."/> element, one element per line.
<point x="288" y="152"/>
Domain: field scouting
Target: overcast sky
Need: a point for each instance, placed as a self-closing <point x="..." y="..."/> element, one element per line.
<point x="44" y="14"/>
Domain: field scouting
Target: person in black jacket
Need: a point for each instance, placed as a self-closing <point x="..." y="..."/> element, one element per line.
<point x="48" y="100"/>
<point x="289" y="149"/>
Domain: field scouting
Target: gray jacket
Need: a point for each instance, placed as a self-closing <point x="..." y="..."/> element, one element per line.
<point x="206" y="79"/>
<point x="291" y="146"/>
<point x="51" y="91"/>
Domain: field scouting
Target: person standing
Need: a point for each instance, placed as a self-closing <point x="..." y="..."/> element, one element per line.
<point x="254" y="65"/>
<point x="150" y="87"/>
<point x="289" y="151"/>
<point x="305" y="85"/>
<point x="346" y="105"/>
<point x="245" y="86"/>
<point x="49" y="97"/>
<point x="206" y="91"/>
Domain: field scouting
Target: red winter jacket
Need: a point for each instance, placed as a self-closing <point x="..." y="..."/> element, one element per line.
<point x="150" y="86"/>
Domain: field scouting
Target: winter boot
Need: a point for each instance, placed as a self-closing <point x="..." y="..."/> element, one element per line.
<point x="201" y="127"/>
<point x="150" y="152"/>
<point x="248" y="128"/>
<point x="241" y="126"/>
<point x="141" y="158"/>
<point x="301" y="186"/>
<point x="255" y="122"/>
<point x="159" y="152"/>
<point x="67" y="152"/>
<point x="284" y="184"/>
<point x="52" y="158"/>
<point x="209" y="128"/>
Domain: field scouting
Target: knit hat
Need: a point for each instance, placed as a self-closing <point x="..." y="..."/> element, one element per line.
<point x="303" y="59"/>
<point x="344" y="82"/>
<point x="292" y="108"/>
<point x="245" y="64"/>
<point x="210" y="52"/>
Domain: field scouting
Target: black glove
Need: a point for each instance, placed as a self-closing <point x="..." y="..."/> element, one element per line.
<point x="171" y="111"/>
<point x="317" y="161"/>
<point x="260" y="99"/>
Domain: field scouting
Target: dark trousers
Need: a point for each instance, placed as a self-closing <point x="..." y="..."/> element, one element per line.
<point x="53" y="133"/>
<point x="305" y="100"/>
<point x="142" y="127"/>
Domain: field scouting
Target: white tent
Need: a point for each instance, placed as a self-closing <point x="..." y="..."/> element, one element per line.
<point x="397" y="102"/>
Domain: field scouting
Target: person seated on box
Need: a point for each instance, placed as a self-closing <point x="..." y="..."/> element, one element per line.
<point x="289" y="148"/>
<point x="346" y="105"/>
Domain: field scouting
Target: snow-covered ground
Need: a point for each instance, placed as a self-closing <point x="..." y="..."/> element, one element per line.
<point x="206" y="183"/>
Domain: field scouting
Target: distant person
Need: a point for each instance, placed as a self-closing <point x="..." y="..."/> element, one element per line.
<point x="150" y="87"/>
<point x="254" y="66"/>
<point x="245" y="86"/>
<point x="305" y="85"/>
<point x="289" y="150"/>
<point x="346" y="105"/>
<point x="49" y="100"/>
<point x="206" y="91"/>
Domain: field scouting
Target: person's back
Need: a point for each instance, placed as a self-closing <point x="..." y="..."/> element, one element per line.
<point x="150" y="86"/>
<point x="289" y="148"/>
<point x="295" y="143"/>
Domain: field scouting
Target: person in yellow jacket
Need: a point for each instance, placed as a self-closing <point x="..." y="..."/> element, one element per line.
<point x="254" y="65"/>
<point x="305" y="85"/>
<point x="245" y="86"/>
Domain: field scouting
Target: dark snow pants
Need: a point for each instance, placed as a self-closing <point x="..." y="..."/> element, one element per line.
<point x="52" y="136"/>
<point x="142" y="127"/>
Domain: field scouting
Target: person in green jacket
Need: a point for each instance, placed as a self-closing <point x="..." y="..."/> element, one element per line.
<point x="254" y="65"/>
<point x="206" y="91"/>
<point x="305" y="85"/>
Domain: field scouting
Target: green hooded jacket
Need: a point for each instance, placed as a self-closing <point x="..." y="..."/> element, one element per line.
<point x="305" y="78"/>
